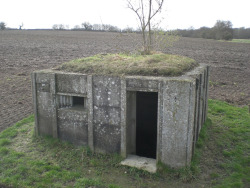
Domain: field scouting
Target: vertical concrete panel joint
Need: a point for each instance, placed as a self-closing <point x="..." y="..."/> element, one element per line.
<point x="34" y="96"/>
<point x="54" y="103"/>
<point x="190" y="125"/>
<point x="90" y="112"/>
<point x="123" y="118"/>
<point x="159" y="122"/>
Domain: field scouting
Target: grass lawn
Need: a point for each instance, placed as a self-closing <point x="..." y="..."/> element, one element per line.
<point x="221" y="158"/>
<point x="241" y="40"/>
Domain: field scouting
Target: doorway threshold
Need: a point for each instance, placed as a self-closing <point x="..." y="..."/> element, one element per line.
<point x="142" y="163"/>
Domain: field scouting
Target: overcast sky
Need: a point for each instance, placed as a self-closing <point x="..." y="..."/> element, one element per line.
<point x="177" y="13"/>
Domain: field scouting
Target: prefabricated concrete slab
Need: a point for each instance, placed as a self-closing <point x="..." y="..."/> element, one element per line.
<point x="142" y="163"/>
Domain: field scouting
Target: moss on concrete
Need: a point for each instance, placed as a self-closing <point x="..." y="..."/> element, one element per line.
<point x="122" y="64"/>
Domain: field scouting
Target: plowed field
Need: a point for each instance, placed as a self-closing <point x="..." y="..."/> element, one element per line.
<point x="22" y="52"/>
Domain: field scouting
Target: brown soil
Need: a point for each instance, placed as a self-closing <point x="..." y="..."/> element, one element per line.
<point x="22" y="52"/>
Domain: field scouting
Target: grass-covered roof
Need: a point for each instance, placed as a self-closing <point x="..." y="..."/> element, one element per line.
<point x="122" y="64"/>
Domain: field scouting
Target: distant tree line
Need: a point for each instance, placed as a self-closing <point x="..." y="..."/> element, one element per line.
<point x="60" y="27"/>
<point x="241" y="33"/>
<point x="86" y="26"/>
<point x="222" y="30"/>
<point x="3" y="26"/>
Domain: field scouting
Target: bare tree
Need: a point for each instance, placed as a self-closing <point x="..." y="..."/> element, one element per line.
<point x="223" y="30"/>
<point x="55" y="27"/>
<point x="145" y="12"/>
<point x="20" y="26"/>
<point x="87" y="26"/>
<point x="2" y="26"/>
<point x="61" y="27"/>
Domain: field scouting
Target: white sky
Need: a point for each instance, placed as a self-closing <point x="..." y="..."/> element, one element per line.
<point x="177" y="13"/>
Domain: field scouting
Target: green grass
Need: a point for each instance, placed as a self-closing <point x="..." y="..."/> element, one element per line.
<point x="241" y="40"/>
<point x="122" y="64"/>
<point x="4" y="142"/>
<point x="232" y="132"/>
<point x="29" y="161"/>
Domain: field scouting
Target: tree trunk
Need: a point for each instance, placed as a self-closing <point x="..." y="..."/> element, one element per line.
<point x="149" y="28"/>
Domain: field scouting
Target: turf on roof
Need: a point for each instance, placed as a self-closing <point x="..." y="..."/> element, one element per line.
<point x="121" y="64"/>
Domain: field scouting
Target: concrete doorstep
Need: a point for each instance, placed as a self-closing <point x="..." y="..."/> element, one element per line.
<point x="142" y="163"/>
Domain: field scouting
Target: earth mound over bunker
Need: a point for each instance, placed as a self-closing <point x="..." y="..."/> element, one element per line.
<point x="122" y="64"/>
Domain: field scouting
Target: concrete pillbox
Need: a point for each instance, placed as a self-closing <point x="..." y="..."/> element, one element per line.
<point x="112" y="114"/>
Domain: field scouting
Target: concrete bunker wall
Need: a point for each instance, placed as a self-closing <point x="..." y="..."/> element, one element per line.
<point x="100" y="111"/>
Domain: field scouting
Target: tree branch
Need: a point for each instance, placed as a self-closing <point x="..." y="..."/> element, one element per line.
<point x="160" y="3"/>
<point x="131" y="7"/>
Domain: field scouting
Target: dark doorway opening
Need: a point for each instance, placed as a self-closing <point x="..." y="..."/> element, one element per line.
<point x="146" y="124"/>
